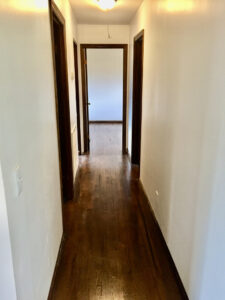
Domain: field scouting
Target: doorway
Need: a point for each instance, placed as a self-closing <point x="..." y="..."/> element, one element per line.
<point x="77" y="95"/>
<point x="102" y="89"/>
<point x="62" y="101"/>
<point x="137" y="98"/>
<point x="105" y="85"/>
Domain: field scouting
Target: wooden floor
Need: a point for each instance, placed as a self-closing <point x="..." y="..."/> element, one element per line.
<point x="107" y="253"/>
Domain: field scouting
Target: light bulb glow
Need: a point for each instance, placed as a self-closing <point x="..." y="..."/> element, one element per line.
<point x="106" y="4"/>
<point x="29" y="5"/>
<point x="176" y="5"/>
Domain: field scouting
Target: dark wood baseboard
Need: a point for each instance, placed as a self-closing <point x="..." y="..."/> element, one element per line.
<point x="154" y="233"/>
<point x="106" y="122"/>
<point x="56" y="267"/>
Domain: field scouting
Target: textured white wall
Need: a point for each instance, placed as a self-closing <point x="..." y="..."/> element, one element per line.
<point x="183" y="109"/>
<point x="105" y="84"/>
<point x="7" y="282"/>
<point x="98" y="34"/>
<point x="28" y="138"/>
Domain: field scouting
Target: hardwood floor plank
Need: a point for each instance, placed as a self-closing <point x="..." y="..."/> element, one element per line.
<point x="108" y="253"/>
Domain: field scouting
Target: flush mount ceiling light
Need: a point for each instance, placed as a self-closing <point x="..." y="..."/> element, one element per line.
<point x="106" y="4"/>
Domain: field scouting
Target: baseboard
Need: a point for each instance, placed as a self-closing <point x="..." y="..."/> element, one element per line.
<point x="56" y="267"/>
<point x="106" y="122"/>
<point x="153" y="229"/>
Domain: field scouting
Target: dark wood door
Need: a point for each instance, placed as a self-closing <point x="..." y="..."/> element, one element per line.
<point x="85" y="99"/>
<point x="62" y="105"/>
<point x="137" y="98"/>
<point x="77" y="96"/>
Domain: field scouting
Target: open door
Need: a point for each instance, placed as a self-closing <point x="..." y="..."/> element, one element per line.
<point x="77" y="95"/>
<point x="85" y="99"/>
<point x="62" y="102"/>
<point x="137" y="98"/>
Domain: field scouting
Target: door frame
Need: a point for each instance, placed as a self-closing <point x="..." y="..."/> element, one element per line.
<point x="76" y="74"/>
<point x="137" y="101"/>
<point x="67" y="191"/>
<point x="83" y="52"/>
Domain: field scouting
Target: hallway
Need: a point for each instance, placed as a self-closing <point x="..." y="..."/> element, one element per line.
<point x="106" y="252"/>
<point x="80" y="227"/>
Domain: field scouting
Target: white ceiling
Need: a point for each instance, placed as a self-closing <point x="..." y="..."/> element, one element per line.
<point x="88" y="12"/>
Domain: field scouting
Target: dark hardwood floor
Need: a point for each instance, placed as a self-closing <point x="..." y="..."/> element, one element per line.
<point x="107" y="253"/>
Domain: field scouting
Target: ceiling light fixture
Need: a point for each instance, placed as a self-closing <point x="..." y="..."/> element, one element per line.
<point x="106" y="4"/>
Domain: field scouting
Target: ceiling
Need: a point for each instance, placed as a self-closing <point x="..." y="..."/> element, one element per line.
<point x="88" y="12"/>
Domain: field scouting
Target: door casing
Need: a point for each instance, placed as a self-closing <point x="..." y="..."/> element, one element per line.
<point x="137" y="97"/>
<point x="57" y="24"/>
<point x="77" y="95"/>
<point x="83" y="52"/>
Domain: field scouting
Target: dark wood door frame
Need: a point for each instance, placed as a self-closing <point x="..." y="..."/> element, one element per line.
<point x="57" y="23"/>
<point x="137" y="97"/>
<point x="77" y="95"/>
<point x="83" y="51"/>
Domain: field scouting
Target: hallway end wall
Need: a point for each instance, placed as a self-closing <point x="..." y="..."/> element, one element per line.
<point x="105" y="84"/>
<point x="183" y="112"/>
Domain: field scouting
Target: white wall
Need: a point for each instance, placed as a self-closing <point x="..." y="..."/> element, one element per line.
<point x="7" y="282"/>
<point x="98" y="34"/>
<point x="28" y="139"/>
<point x="213" y="286"/>
<point x="182" y="151"/>
<point x="105" y="84"/>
